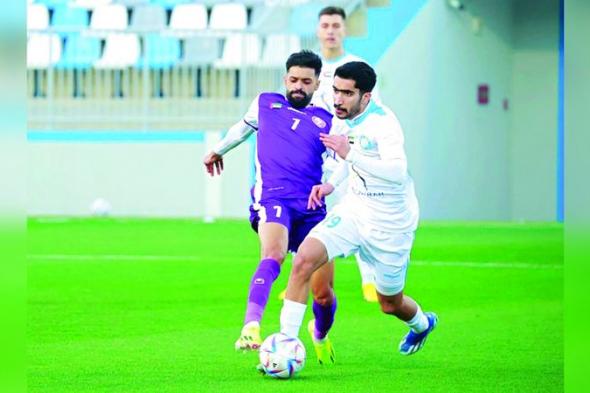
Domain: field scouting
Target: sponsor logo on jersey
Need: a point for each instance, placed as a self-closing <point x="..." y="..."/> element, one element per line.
<point x="318" y="122"/>
<point x="259" y="281"/>
<point x="276" y="105"/>
<point x="366" y="143"/>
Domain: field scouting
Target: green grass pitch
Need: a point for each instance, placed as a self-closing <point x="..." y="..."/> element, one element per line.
<point x="156" y="305"/>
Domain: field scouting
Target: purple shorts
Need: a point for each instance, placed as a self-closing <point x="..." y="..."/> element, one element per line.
<point x="288" y="213"/>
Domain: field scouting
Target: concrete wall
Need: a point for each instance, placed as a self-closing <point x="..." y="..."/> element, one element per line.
<point x="472" y="161"/>
<point x="137" y="179"/>
<point x="533" y="137"/>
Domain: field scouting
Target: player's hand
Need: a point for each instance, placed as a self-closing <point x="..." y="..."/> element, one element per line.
<point x="338" y="143"/>
<point x="213" y="163"/>
<point x="317" y="193"/>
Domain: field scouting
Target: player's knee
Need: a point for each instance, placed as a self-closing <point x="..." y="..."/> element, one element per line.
<point x="275" y="253"/>
<point x="303" y="267"/>
<point x="324" y="296"/>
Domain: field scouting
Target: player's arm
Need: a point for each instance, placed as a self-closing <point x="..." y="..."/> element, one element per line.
<point x="319" y="191"/>
<point x="237" y="134"/>
<point x="391" y="164"/>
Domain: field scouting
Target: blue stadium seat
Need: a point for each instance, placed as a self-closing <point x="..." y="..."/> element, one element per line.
<point x="169" y="4"/>
<point x="69" y="20"/>
<point x="53" y="3"/>
<point x="301" y="16"/>
<point x="159" y="52"/>
<point x="80" y="52"/>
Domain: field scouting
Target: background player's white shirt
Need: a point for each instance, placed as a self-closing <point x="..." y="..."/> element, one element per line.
<point x="324" y="95"/>
<point x="379" y="186"/>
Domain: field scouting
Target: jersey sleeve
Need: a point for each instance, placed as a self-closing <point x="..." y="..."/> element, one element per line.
<point x="392" y="163"/>
<point x="240" y="131"/>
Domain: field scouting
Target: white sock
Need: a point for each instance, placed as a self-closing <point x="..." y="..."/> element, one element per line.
<point x="366" y="270"/>
<point x="292" y="315"/>
<point x="419" y="322"/>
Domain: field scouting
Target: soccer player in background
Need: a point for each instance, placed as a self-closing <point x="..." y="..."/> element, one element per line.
<point x="331" y="31"/>
<point x="377" y="217"/>
<point x="289" y="158"/>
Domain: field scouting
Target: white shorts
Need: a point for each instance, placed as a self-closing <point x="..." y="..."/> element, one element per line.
<point x="343" y="233"/>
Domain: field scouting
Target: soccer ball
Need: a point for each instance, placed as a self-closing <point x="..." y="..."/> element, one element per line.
<point x="100" y="207"/>
<point x="282" y="356"/>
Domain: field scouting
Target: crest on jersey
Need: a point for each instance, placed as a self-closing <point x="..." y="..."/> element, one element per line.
<point x="318" y="122"/>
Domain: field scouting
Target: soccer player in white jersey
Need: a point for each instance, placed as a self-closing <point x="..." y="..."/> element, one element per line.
<point x="377" y="217"/>
<point x="331" y="31"/>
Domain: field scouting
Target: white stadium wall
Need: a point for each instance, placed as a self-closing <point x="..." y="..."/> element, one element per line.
<point x="137" y="179"/>
<point x="471" y="161"/>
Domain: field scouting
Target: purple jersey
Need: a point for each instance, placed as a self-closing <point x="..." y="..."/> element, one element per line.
<point x="289" y="152"/>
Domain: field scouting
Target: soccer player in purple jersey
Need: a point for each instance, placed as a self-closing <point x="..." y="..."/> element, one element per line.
<point x="289" y="162"/>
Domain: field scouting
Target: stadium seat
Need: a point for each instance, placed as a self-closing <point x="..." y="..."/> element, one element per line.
<point x="240" y="50"/>
<point x="52" y="3"/>
<point x="90" y="4"/>
<point x="132" y="3"/>
<point x="159" y="52"/>
<point x="121" y="51"/>
<point x="148" y="17"/>
<point x="277" y="49"/>
<point x="228" y="16"/>
<point x="200" y="51"/>
<point x="189" y="17"/>
<point x="299" y="22"/>
<point x="169" y="4"/>
<point x="79" y="52"/>
<point x="107" y="18"/>
<point x="37" y="17"/>
<point x="43" y="50"/>
<point x="69" y="20"/>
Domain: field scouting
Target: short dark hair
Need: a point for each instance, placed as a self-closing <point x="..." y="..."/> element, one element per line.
<point x="361" y="73"/>
<point x="331" y="10"/>
<point x="305" y="58"/>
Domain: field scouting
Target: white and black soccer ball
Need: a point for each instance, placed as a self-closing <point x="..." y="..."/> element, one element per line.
<point x="282" y="356"/>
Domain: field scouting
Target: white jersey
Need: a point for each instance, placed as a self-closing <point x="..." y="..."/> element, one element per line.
<point x="324" y="97"/>
<point x="377" y="171"/>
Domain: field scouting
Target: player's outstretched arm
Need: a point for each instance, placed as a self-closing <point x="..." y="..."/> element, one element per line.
<point x="237" y="134"/>
<point x="317" y="193"/>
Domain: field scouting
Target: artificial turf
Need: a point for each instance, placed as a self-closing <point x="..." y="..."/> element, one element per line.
<point x="149" y="305"/>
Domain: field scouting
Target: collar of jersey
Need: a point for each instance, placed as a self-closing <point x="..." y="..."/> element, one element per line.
<point x="336" y="60"/>
<point x="371" y="108"/>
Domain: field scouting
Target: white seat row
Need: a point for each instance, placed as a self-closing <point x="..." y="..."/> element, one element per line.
<point x="114" y="17"/>
<point x="123" y="50"/>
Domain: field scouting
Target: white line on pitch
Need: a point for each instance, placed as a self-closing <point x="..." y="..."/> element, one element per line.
<point x="192" y="258"/>
<point x="111" y="257"/>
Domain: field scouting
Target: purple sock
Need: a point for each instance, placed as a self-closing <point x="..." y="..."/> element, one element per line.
<point x="324" y="318"/>
<point x="267" y="272"/>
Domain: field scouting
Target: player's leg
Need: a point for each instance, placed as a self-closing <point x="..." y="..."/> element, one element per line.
<point x="391" y="254"/>
<point x="272" y="226"/>
<point x="324" y="309"/>
<point x="420" y="323"/>
<point x="311" y="255"/>
<point x="367" y="279"/>
<point x="335" y="236"/>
